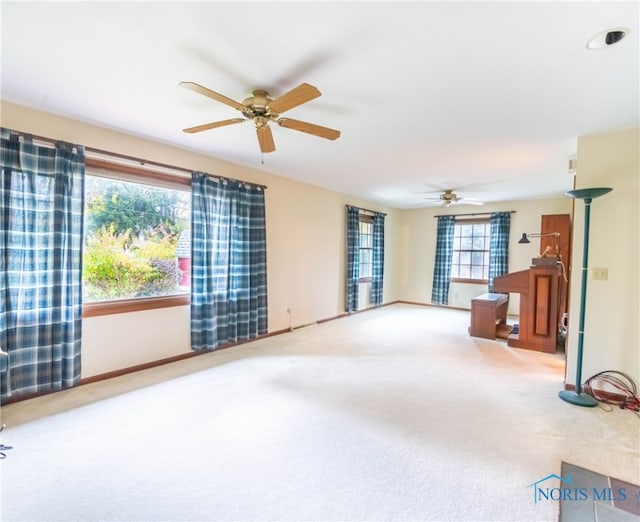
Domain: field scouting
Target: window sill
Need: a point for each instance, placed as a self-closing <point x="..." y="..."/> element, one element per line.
<point x="470" y="281"/>
<point x="133" y="305"/>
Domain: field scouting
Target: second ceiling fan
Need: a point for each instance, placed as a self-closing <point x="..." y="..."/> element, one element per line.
<point x="449" y="197"/>
<point x="261" y="109"/>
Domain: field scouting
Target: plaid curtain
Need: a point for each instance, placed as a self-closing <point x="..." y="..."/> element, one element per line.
<point x="228" y="262"/>
<point x="353" y="261"/>
<point x="444" y="255"/>
<point x="500" y="223"/>
<point x="42" y="198"/>
<point x="378" y="259"/>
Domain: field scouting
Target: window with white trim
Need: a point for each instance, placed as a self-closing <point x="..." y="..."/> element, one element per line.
<point x="470" y="261"/>
<point x="365" y="255"/>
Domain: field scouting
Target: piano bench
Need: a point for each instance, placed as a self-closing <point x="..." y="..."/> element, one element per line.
<point x="488" y="315"/>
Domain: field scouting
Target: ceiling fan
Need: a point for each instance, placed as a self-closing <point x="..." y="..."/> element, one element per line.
<point x="261" y="109"/>
<point x="449" y="197"/>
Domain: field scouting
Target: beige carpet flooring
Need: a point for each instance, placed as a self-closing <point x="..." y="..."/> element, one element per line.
<point x="392" y="414"/>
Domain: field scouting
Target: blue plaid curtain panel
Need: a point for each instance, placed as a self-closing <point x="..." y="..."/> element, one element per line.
<point x="444" y="256"/>
<point x="41" y="221"/>
<point x="377" y="274"/>
<point x="353" y="261"/>
<point x="228" y="262"/>
<point x="500" y="223"/>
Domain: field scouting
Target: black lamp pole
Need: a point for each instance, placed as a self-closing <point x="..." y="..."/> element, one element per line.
<point x="577" y="397"/>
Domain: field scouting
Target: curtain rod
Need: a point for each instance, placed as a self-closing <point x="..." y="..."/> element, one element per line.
<point x="476" y="213"/>
<point x="366" y="210"/>
<point x="134" y="159"/>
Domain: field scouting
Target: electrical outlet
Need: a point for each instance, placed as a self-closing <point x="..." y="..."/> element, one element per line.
<point x="601" y="274"/>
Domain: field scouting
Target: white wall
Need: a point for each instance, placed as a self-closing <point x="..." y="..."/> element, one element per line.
<point x="113" y="342"/>
<point x="611" y="338"/>
<point x="305" y="248"/>
<point x="417" y="234"/>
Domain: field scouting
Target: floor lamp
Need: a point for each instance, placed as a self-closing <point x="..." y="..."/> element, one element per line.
<point x="577" y="397"/>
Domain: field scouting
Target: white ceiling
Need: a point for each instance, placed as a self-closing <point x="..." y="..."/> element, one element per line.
<point x="487" y="98"/>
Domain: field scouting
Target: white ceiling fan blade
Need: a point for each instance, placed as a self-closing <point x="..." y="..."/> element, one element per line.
<point x="465" y="201"/>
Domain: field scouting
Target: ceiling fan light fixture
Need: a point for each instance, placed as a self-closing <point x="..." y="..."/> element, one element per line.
<point x="260" y="122"/>
<point x="257" y="105"/>
<point x="448" y="197"/>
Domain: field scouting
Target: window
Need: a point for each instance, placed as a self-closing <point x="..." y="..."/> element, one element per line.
<point x="137" y="241"/>
<point x="470" y="262"/>
<point x="366" y="248"/>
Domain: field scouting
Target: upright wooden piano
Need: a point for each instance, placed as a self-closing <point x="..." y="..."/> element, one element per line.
<point x="538" y="289"/>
